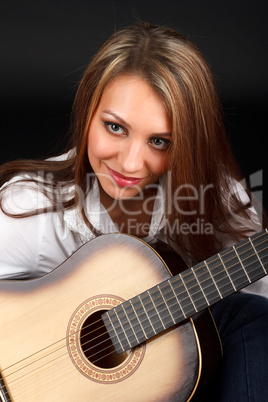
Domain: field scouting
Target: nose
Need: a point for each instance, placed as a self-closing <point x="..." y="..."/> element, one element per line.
<point x="131" y="157"/>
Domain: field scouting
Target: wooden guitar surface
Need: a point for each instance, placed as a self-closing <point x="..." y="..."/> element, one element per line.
<point x="51" y="350"/>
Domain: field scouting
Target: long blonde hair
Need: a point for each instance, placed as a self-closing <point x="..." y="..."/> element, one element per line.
<point x="200" y="153"/>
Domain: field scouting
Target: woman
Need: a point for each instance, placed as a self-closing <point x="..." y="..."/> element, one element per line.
<point x="149" y="156"/>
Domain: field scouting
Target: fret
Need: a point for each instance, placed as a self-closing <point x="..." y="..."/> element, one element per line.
<point x="171" y="300"/>
<point x="260" y="261"/>
<point x="126" y="330"/>
<point x="113" y="330"/>
<point x="183" y="296"/>
<point x="234" y="268"/>
<point x="257" y="255"/>
<point x="219" y="293"/>
<point x="260" y="241"/>
<point x="125" y="326"/>
<point x="206" y="281"/>
<point x="220" y="275"/>
<point x="150" y="321"/>
<point x="181" y="309"/>
<point x="194" y="290"/>
<point x="200" y="287"/>
<point x="249" y="260"/>
<point x="139" y="323"/>
<point x="137" y="313"/>
<point x="150" y="331"/>
<point x="165" y="298"/>
<point x="160" y="308"/>
<point x="178" y="298"/>
<point x="156" y="319"/>
<point x="241" y="263"/>
<point x="227" y="273"/>
<point x="188" y="293"/>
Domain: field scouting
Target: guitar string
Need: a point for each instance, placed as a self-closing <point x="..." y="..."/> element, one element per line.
<point x="199" y="276"/>
<point x="101" y="320"/>
<point x="39" y="368"/>
<point x="54" y="381"/>
<point x="51" y="381"/>
<point x="33" y="371"/>
<point x="254" y="254"/>
<point x="103" y="325"/>
<point x="56" y="350"/>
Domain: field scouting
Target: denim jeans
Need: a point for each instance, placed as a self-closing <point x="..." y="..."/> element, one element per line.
<point x="242" y="321"/>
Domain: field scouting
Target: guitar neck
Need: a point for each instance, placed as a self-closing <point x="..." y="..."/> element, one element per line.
<point x="188" y="293"/>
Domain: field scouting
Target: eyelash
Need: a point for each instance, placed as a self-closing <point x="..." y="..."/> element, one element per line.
<point x="166" y="142"/>
<point x="109" y="123"/>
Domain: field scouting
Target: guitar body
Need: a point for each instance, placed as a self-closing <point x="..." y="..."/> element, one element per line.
<point x="52" y="350"/>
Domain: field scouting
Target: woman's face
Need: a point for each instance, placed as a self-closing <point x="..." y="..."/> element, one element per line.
<point x="128" y="137"/>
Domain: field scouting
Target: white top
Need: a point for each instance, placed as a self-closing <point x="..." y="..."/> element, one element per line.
<point x="33" y="246"/>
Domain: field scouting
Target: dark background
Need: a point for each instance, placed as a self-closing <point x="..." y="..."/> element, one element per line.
<point x="45" y="46"/>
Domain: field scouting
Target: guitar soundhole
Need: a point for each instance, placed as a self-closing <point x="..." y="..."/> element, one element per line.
<point x="96" y="343"/>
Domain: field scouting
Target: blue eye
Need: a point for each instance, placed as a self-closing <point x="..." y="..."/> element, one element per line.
<point x="160" y="143"/>
<point x="114" y="127"/>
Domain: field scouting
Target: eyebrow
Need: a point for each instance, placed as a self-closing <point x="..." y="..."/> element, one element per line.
<point x="122" y="121"/>
<point x="116" y="116"/>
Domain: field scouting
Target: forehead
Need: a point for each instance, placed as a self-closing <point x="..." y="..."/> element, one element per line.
<point x="133" y="98"/>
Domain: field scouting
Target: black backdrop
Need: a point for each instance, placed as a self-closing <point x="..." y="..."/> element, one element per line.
<point x="45" y="46"/>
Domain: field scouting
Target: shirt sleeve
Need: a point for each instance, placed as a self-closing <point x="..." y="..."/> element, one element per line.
<point x="33" y="246"/>
<point x="20" y="238"/>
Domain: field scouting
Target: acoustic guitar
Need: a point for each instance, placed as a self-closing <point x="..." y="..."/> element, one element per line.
<point x="112" y="324"/>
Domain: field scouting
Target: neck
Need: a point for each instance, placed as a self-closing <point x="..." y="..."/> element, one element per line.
<point x="133" y="215"/>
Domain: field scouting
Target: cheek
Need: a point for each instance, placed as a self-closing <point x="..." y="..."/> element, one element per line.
<point x="158" y="166"/>
<point x="98" y="147"/>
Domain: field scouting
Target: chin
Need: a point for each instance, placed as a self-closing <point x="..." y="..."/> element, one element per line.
<point x="124" y="195"/>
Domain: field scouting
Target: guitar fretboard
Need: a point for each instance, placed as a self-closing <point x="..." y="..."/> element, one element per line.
<point x="183" y="295"/>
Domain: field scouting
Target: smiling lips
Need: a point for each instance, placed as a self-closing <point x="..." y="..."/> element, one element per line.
<point x="123" y="181"/>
